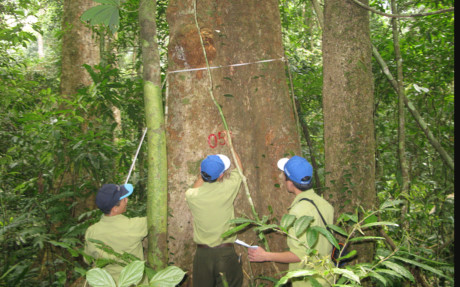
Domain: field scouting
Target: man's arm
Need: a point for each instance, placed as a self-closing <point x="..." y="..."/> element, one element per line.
<point x="198" y="182"/>
<point x="260" y="255"/>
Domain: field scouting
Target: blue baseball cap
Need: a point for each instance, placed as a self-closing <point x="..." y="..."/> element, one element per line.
<point x="109" y="195"/>
<point x="296" y="169"/>
<point x="214" y="165"/>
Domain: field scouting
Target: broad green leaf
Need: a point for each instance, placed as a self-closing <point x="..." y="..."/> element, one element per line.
<point x="98" y="277"/>
<point x="293" y="274"/>
<point x="347" y="273"/>
<point x="131" y="274"/>
<point x="168" y="277"/>
<point x="327" y="234"/>
<point x="302" y="224"/>
<point x="235" y="230"/>
<point x="389" y="272"/>
<point x="399" y="269"/>
<point x="419" y="257"/>
<point x="379" y="223"/>
<point x="365" y="238"/>
<point x="348" y="217"/>
<point x="378" y="277"/>
<point x="96" y="14"/>
<point x="314" y="282"/>
<point x="103" y="14"/>
<point x="423" y="266"/>
<point x="338" y="229"/>
<point x="312" y="237"/>
<point x="371" y="219"/>
<point x="287" y="220"/>
<point x="391" y="203"/>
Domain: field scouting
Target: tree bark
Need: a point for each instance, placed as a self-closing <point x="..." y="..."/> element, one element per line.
<point x="348" y="111"/>
<point x="253" y="95"/>
<point x="78" y="47"/>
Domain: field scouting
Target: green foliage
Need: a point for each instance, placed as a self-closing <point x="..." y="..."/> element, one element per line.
<point x="45" y="138"/>
<point x="427" y="46"/>
<point x="389" y="267"/>
<point x="132" y="275"/>
<point x="106" y="14"/>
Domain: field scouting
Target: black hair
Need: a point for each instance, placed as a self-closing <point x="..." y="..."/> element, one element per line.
<point x="108" y="212"/>
<point x="302" y="187"/>
<point x="207" y="178"/>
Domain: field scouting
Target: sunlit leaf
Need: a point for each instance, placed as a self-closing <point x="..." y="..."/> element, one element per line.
<point x="287" y="220"/>
<point x="98" y="277"/>
<point x="347" y="273"/>
<point x="301" y="225"/>
<point x="131" y="274"/>
<point x="379" y="223"/>
<point x="294" y="274"/>
<point x="326" y="234"/>
<point x="423" y="266"/>
<point x="399" y="269"/>
<point x="168" y="277"/>
<point x="312" y="237"/>
<point x="365" y="238"/>
<point x="338" y="229"/>
<point x="378" y="277"/>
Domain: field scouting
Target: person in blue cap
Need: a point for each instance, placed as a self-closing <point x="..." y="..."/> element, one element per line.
<point x="121" y="233"/>
<point x="210" y="200"/>
<point x="298" y="174"/>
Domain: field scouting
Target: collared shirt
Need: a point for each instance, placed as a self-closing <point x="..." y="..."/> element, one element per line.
<point x="121" y="233"/>
<point x="211" y="205"/>
<point x="300" y="208"/>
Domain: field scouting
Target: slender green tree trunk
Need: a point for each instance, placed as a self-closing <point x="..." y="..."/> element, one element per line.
<point x="404" y="169"/>
<point x="348" y="104"/>
<point x="156" y="140"/>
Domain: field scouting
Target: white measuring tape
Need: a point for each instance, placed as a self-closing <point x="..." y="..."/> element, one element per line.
<point x="135" y="156"/>
<point x="191" y="70"/>
<point x="226" y="66"/>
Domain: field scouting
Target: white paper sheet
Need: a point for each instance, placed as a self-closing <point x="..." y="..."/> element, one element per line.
<point x="245" y="244"/>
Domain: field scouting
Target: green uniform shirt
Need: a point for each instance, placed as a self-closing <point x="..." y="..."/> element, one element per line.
<point x="211" y="205"/>
<point x="300" y="208"/>
<point x="121" y="233"/>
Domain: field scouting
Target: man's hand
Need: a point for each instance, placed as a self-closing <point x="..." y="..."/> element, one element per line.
<point x="257" y="254"/>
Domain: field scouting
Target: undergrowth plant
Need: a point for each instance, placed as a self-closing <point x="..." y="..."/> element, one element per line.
<point x="389" y="267"/>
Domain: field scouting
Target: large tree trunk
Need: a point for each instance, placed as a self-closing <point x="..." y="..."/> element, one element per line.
<point x="79" y="46"/>
<point x="348" y="110"/>
<point x="255" y="102"/>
